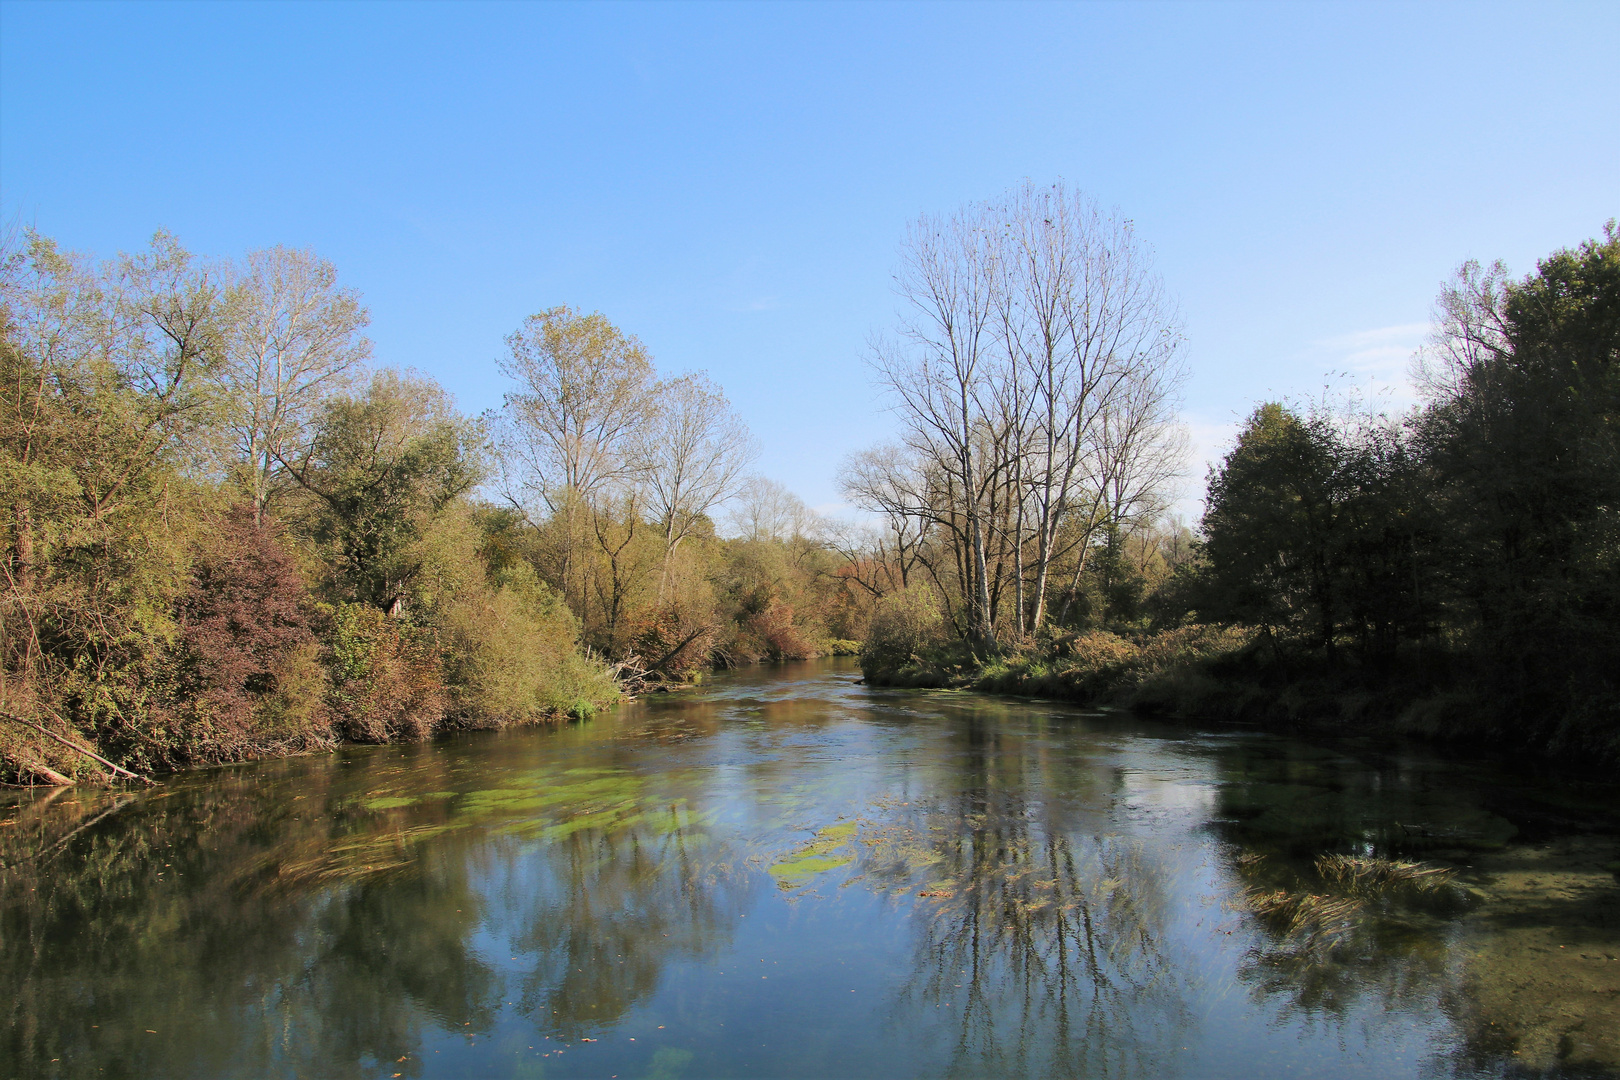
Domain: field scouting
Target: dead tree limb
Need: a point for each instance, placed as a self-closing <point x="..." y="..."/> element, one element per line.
<point x="117" y="769"/>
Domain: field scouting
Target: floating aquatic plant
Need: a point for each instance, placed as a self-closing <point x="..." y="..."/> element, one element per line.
<point x="828" y="851"/>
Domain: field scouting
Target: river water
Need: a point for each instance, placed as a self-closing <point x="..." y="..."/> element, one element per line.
<point x="789" y="874"/>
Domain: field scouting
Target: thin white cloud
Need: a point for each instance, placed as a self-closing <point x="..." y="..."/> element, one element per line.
<point x="1377" y="362"/>
<point x="1370" y="365"/>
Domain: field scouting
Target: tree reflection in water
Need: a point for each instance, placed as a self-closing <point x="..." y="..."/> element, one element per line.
<point x="604" y="911"/>
<point x="1056" y="904"/>
<point x="243" y="932"/>
<point x="1043" y="940"/>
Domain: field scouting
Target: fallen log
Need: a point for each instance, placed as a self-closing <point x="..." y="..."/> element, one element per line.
<point x="46" y="773"/>
<point x="118" y="770"/>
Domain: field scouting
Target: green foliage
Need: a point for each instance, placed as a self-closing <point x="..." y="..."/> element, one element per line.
<point x="1482" y="535"/>
<point x="907" y="627"/>
<point x="1525" y="452"/>
<point x="1274" y="508"/>
<point x="385" y="678"/>
<point x="99" y="398"/>
<point x="381" y="468"/>
<point x="140" y="617"/>
<point x="511" y="654"/>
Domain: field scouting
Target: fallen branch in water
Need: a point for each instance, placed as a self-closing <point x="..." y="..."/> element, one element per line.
<point x="50" y="775"/>
<point x="58" y="778"/>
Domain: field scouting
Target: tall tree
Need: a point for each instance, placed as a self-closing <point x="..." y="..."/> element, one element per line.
<point x="692" y="452"/>
<point x="292" y="336"/>
<point x="1036" y="376"/>
<point x="1093" y="343"/>
<point x="102" y="400"/>
<point x="1273" y="512"/>
<point x="566" y="437"/>
<point x="584" y="389"/>
<point x="940" y="376"/>
<point x="381" y="467"/>
<point x="1522" y="432"/>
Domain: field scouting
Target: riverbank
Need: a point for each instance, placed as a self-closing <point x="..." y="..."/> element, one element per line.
<point x="34" y="755"/>
<point x="1235" y="675"/>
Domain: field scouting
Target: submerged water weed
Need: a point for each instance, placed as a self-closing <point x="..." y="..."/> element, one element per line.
<point x="1348" y="896"/>
<point x="828" y="851"/>
<point x="574" y="790"/>
<point x="1310" y="919"/>
<point x="363" y="856"/>
<point x="396" y="802"/>
<point x="1368" y="876"/>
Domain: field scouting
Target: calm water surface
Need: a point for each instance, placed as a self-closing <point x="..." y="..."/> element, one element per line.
<point x="790" y="874"/>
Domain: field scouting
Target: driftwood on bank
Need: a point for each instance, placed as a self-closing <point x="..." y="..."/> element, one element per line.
<point x="56" y="777"/>
<point x="45" y="772"/>
<point x="634" y="675"/>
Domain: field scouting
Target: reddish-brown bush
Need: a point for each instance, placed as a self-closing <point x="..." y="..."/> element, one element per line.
<point x="245" y="656"/>
<point x="781" y="637"/>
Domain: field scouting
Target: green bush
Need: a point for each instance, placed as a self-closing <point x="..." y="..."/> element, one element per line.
<point x="511" y="654"/>
<point x="906" y="627"/>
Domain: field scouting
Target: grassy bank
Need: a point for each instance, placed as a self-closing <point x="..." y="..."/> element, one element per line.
<point x="1237" y="675"/>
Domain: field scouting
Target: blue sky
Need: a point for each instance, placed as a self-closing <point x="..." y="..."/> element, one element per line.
<point x="729" y="182"/>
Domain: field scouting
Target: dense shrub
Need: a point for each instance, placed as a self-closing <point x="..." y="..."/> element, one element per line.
<point x="906" y="626"/>
<point x="248" y="679"/>
<point x="779" y="636"/>
<point x="385" y="677"/>
<point x="511" y="654"/>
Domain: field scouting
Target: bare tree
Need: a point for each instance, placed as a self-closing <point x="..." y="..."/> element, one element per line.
<point x="767" y="510"/>
<point x="690" y="454"/>
<point x="292" y="337"/>
<point x="1035" y="375"/>
<point x="1470" y="331"/>
<point x="939" y="373"/>
<point x="1140" y="451"/>
<point x="885" y="480"/>
<point x="1088" y="319"/>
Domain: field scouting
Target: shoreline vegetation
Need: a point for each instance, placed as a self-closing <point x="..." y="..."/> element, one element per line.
<point x="226" y="534"/>
<point x="1452" y="573"/>
<point x="1232" y="675"/>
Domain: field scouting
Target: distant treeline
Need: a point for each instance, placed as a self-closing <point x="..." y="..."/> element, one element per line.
<point x="225" y="535"/>
<point x="1455" y="570"/>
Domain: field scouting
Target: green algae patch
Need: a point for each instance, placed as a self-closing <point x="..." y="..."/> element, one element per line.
<point x="395" y="802"/>
<point x="571" y="792"/>
<point x="828" y="851"/>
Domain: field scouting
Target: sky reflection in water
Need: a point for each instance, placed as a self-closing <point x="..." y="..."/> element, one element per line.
<point x="787" y="874"/>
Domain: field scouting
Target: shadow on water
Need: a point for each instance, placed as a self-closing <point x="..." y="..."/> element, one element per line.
<point x="790" y="874"/>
